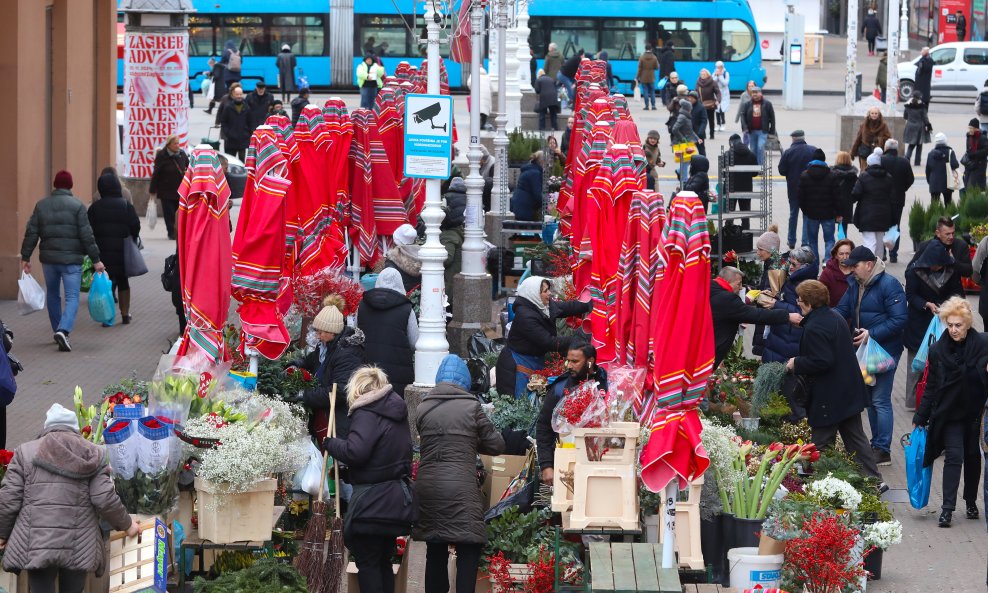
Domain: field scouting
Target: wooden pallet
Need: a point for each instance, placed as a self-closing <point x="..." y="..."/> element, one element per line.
<point x="627" y="568"/>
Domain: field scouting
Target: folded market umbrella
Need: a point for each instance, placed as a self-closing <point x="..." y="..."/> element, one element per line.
<point x="404" y="71"/>
<point x="336" y="120"/>
<point x="596" y="140"/>
<point x="317" y="250"/>
<point x="575" y="159"/>
<point x="376" y="206"/>
<point x="285" y="138"/>
<point x="258" y="246"/>
<point x="205" y="254"/>
<point x="443" y="87"/>
<point x="391" y="128"/>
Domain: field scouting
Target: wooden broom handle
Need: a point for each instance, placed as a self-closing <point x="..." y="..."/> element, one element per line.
<point x="336" y="467"/>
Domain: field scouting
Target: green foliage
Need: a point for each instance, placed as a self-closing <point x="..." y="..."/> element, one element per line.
<point x="775" y="409"/>
<point x="917" y="222"/>
<point x="519" y="536"/>
<point x="768" y="380"/>
<point x="974" y="206"/>
<point x="521" y="146"/>
<point x="841" y="465"/>
<point x="870" y="503"/>
<point x="267" y="574"/>
<point x="763" y="435"/>
<point x="131" y="386"/>
<point x="510" y="413"/>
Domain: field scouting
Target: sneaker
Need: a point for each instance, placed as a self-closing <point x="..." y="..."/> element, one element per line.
<point x="882" y="457"/>
<point x="944" y="520"/>
<point x="972" y="511"/>
<point x="62" y="339"/>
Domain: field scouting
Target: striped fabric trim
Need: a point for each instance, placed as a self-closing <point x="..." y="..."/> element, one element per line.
<point x="204" y="184"/>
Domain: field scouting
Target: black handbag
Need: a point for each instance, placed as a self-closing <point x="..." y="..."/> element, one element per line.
<point x="802" y="391"/>
<point x="134" y="264"/>
<point x="385" y="508"/>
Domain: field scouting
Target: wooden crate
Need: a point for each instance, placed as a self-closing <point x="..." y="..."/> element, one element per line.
<point x="620" y="567"/>
<point x="226" y="517"/>
<point x="130" y="564"/>
<point x="564" y="461"/>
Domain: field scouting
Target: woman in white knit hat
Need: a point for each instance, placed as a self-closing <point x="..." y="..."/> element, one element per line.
<point x="404" y="257"/>
<point x="936" y="169"/>
<point x="872" y="195"/>
<point x="340" y="352"/>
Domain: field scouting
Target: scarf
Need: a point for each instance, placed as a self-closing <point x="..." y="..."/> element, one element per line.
<point x="972" y="141"/>
<point x="531" y="291"/>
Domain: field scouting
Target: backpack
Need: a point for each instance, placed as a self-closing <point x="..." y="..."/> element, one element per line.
<point x="983" y="103"/>
<point x="234" y="64"/>
<point x="170" y="277"/>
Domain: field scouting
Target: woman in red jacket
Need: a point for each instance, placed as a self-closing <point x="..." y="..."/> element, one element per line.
<point x="835" y="274"/>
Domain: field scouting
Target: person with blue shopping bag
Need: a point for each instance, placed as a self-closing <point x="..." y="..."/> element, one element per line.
<point x="953" y="404"/>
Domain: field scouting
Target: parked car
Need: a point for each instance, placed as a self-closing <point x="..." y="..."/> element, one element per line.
<point x="960" y="70"/>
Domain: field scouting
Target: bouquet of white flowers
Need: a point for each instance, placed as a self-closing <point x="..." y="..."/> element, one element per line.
<point x="835" y="493"/>
<point x="883" y="535"/>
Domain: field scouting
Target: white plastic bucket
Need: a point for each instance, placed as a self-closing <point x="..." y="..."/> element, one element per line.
<point x="749" y="569"/>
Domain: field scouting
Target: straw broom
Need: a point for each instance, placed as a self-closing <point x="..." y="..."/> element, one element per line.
<point x="331" y="580"/>
<point x="310" y="559"/>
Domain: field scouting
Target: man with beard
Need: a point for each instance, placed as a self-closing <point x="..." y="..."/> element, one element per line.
<point x="581" y="365"/>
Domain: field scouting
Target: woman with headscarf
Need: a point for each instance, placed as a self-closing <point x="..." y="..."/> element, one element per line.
<point x="653" y="158"/>
<point x="114" y="221"/>
<point x="709" y="95"/>
<point x="387" y="318"/>
<point x="936" y="168"/>
<point x="124" y="191"/>
<point x="404" y="257"/>
<point x="533" y="334"/>
<point x="723" y="79"/>
<point x="872" y="134"/>
<point x="918" y="127"/>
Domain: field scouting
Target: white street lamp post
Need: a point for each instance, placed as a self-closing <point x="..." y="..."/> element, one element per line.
<point x="473" y="234"/>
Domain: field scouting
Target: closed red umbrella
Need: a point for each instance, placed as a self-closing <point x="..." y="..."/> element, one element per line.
<point x="285" y="137"/>
<point x="594" y="145"/>
<point x="404" y="71"/>
<point x="376" y="206"/>
<point x="205" y="255"/>
<point x="336" y="120"/>
<point x="391" y="129"/>
<point x="258" y="246"/>
<point x="316" y="250"/>
<point x="576" y="158"/>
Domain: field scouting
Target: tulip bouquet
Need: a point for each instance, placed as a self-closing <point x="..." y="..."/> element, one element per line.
<point x="758" y="475"/>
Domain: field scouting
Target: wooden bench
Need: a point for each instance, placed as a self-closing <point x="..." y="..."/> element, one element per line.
<point x="627" y="568"/>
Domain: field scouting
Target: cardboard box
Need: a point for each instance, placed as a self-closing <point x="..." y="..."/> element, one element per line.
<point x="225" y="517"/>
<point x="511" y="281"/>
<point x="500" y="471"/>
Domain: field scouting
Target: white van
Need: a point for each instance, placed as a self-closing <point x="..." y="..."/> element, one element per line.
<point x="960" y="70"/>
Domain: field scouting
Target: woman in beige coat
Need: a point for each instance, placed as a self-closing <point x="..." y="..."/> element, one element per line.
<point x="56" y="490"/>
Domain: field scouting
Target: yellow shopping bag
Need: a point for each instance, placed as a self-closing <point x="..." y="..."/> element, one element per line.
<point x="684" y="151"/>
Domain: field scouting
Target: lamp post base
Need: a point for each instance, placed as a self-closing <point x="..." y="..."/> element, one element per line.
<point x="472" y="310"/>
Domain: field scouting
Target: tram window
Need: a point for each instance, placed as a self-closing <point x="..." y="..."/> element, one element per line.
<point x="201" y="36"/>
<point x="536" y="38"/>
<point x="572" y="35"/>
<point x="623" y="39"/>
<point x="382" y="35"/>
<point x="737" y="41"/>
<point x="247" y="32"/>
<point x="304" y="34"/>
<point x="691" y="38"/>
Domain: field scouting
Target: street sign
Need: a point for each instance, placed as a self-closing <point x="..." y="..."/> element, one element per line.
<point x="428" y="136"/>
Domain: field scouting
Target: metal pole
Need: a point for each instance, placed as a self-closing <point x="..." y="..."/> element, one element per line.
<point x="850" y="79"/>
<point x="892" y="61"/>
<point x="431" y="346"/>
<point x="513" y="90"/>
<point x="501" y="138"/>
<point x="669" y="524"/>
<point x="904" y="29"/>
<point x="473" y="233"/>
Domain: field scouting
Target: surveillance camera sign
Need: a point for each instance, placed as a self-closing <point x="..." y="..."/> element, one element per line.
<point x="428" y="136"/>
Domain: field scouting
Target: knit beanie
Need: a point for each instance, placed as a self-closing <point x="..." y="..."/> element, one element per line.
<point x="769" y="240"/>
<point x="940" y="138"/>
<point x="405" y="235"/>
<point x="63" y="180"/>
<point x="58" y="415"/>
<point x="454" y="371"/>
<point x="819" y="155"/>
<point x="330" y="319"/>
<point x="875" y="158"/>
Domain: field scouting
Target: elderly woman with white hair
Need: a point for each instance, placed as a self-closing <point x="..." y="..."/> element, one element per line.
<point x="723" y="79"/>
<point x="404" y="257"/>
<point x="936" y="169"/>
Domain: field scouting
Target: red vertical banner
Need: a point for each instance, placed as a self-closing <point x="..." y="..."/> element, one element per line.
<point x="156" y="96"/>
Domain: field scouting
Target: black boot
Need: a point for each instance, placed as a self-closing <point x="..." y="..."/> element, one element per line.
<point x="945" y="518"/>
<point x="972" y="510"/>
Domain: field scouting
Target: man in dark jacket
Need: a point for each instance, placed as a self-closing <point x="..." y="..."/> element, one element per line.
<point x="946" y="234"/>
<point x="170" y="164"/>
<point x="526" y="201"/>
<point x="975" y="158"/>
<point x="924" y="75"/>
<point x="553" y="61"/>
<point x="581" y="366"/>
<point x="758" y="121"/>
<point x="299" y="103"/>
<point x="699" y="120"/>
<point x="902" y="179"/>
<point x="609" y="75"/>
<point x="817" y="197"/>
<point x="667" y="60"/>
<point x="729" y="311"/>
<point x="875" y="307"/>
<point x="60" y="224"/>
<point x="259" y="104"/>
<point x="792" y="164"/>
<point x="741" y="155"/>
<point x="235" y="125"/>
<point x="115" y="223"/>
<point x="548" y="103"/>
<point x="960" y="26"/>
<point x="827" y="362"/>
<point x="567" y="75"/>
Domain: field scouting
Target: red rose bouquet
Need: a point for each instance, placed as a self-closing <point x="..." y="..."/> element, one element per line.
<point x="5" y="457"/>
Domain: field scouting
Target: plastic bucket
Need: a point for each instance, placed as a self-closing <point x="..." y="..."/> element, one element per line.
<point x="748" y="569"/>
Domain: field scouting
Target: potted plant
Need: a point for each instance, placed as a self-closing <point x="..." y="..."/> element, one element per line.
<point x="834" y="493"/>
<point x="879" y="537"/>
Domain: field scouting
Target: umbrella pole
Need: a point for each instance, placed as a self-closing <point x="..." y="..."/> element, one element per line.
<point x="669" y="526"/>
<point x="252" y="361"/>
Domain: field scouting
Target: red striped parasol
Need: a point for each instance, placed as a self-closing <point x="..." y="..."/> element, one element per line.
<point x="574" y="160"/>
<point x="284" y="135"/>
<point x="404" y="71"/>
<point x="204" y="254"/>
<point x="391" y="129"/>
<point x="443" y="87"/>
<point x="460" y="49"/>
<point x="595" y="142"/>
<point x="258" y="246"/>
<point x="336" y="120"/>
<point x="316" y="250"/>
<point x="376" y="206"/>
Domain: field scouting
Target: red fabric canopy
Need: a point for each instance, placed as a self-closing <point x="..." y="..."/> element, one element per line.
<point x="391" y="129"/>
<point x="205" y="254"/>
<point x="404" y="71"/>
<point x="284" y="135"/>
<point x="336" y="121"/>
<point x="595" y="143"/>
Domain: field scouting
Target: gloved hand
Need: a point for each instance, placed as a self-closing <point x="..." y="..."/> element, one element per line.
<point x="293" y="398"/>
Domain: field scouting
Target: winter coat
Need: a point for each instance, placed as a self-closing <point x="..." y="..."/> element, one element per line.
<point x="881" y="77"/>
<point x="742" y="182"/>
<point x="975" y="156"/>
<point x="545" y="436"/>
<point x="405" y="259"/>
<point x="378" y="452"/>
<point x="871" y="27"/>
<point x="384" y="316"/>
<point x="167" y="174"/>
<point x="526" y="201"/>
<point x="56" y="490"/>
<point x="545" y="87"/>
<point x="835" y="280"/>
<point x="286" y="63"/>
<point x="880" y="308"/>
<point x="570" y="66"/>
<point x="827" y="359"/>
<point x="723" y="81"/>
<point x="364" y="72"/>
<point x="258" y="105"/>
<point x="486" y="103"/>
<point x="936" y="167"/>
<point x="869" y="137"/>
<point x="873" y="195"/>
<point x="845" y="178"/>
<point x="647" y="65"/>
<point x="792" y="163"/>
<point x="344" y="355"/>
<point x="958" y="249"/>
<point x="667" y="62"/>
<point x="980" y="276"/>
<point x="453" y="430"/>
<point x="534" y="334"/>
<point x="682" y="129"/>
<point x="698" y="118"/>
<point x="768" y="116"/>
<point x="729" y="311"/>
<point x="698" y="181"/>
<point x="235" y="125"/>
<point x="955" y="389"/>
<point x="455" y="205"/>
<point x="60" y="223"/>
<point x="924" y="77"/>
<point x="917" y="130"/>
<point x="902" y="179"/>
<point x="298" y="104"/>
<point x="782" y="342"/>
<point x="709" y="92"/>
<point x="817" y="194"/>
<point x="553" y="63"/>
<point x="113" y="220"/>
<point x="926" y="286"/>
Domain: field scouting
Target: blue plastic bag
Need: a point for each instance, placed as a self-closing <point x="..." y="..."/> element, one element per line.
<point x="841" y="235"/>
<point x="891" y="236"/>
<point x="918" y="478"/>
<point x="933" y="332"/>
<point x="301" y="80"/>
<point x="101" y="307"/>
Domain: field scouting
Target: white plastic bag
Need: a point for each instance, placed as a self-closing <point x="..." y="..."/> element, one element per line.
<point x="307" y="479"/>
<point x="30" y="295"/>
<point x="152" y="216"/>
